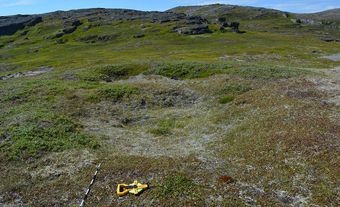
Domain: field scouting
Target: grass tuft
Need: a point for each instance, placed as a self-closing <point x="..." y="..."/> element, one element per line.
<point x="175" y="186"/>
<point x="41" y="135"/>
<point x="187" y="69"/>
<point x="112" y="72"/>
<point x="165" y="127"/>
<point x="236" y="89"/>
<point x="117" y="92"/>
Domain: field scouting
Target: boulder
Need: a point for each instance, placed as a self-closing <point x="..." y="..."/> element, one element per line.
<point x="138" y="35"/>
<point x="329" y="39"/>
<point x="235" y="27"/>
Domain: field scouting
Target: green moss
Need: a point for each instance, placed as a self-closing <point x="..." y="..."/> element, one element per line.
<point x="226" y="99"/>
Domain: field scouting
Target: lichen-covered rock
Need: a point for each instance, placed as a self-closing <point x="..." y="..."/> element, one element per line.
<point x="193" y="29"/>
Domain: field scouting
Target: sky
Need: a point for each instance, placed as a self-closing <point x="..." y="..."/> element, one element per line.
<point x="11" y="7"/>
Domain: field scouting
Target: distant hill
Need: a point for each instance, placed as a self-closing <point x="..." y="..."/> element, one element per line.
<point x="231" y="11"/>
<point x="329" y="15"/>
<point x="263" y="19"/>
<point x="252" y="13"/>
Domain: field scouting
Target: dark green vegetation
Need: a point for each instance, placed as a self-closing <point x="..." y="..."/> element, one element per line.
<point x="176" y="111"/>
<point x="226" y="99"/>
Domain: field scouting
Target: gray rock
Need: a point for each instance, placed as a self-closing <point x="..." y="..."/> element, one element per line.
<point x="234" y="26"/>
<point x="329" y="39"/>
<point x="41" y="70"/>
<point x="193" y="29"/>
<point x="138" y="35"/>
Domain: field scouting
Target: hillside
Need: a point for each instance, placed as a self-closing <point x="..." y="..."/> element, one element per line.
<point x="243" y="111"/>
<point x="262" y="19"/>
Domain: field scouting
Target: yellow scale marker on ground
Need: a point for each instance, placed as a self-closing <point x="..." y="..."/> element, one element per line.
<point x="134" y="188"/>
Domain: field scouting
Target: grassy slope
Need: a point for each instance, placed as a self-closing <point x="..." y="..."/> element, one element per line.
<point x="250" y="121"/>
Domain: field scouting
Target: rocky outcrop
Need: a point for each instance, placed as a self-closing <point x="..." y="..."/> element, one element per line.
<point x="97" y="38"/>
<point x="10" y="25"/>
<point x="192" y="25"/>
<point x="224" y="24"/>
<point x="69" y="27"/>
<point x="41" y="70"/>
<point x="306" y="21"/>
<point x="193" y="29"/>
<point x="196" y="20"/>
<point x="76" y="23"/>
